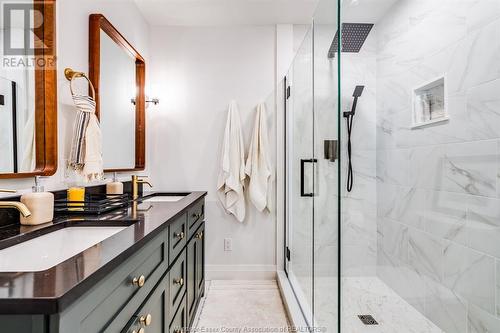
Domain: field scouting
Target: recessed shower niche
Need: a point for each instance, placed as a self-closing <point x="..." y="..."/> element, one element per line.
<point x="430" y="103"/>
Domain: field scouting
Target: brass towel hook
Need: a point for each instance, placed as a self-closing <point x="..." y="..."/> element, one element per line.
<point x="72" y="74"/>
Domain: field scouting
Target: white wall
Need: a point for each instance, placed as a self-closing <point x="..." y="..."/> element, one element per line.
<point x="72" y="51"/>
<point x="196" y="71"/>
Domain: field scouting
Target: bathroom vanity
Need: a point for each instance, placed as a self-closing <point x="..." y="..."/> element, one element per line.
<point x="146" y="275"/>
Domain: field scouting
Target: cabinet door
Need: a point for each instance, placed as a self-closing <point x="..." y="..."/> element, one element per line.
<point x="192" y="287"/>
<point x="200" y="261"/>
<point x="177" y="283"/>
<point x="152" y="316"/>
<point x="179" y="324"/>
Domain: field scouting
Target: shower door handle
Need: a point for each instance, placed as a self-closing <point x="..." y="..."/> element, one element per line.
<point x="302" y="176"/>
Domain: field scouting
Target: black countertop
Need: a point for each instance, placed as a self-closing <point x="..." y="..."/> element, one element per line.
<point x="51" y="291"/>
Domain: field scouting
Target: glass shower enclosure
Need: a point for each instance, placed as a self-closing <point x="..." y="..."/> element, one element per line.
<point x="392" y="167"/>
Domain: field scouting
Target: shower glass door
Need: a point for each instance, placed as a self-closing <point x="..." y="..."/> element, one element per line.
<point x="326" y="140"/>
<point x="312" y="171"/>
<point x="300" y="176"/>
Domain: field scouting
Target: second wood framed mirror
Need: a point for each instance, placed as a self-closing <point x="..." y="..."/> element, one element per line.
<point x="118" y="71"/>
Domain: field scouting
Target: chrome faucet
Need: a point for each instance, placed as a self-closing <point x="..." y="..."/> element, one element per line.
<point x="15" y="204"/>
<point x="135" y="185"/>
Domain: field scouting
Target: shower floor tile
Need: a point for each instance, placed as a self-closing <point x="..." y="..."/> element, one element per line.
<point x="367" y="296"/>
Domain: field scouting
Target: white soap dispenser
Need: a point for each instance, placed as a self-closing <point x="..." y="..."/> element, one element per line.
<point x="114" y="187"/>
<point x="40" y="204"/>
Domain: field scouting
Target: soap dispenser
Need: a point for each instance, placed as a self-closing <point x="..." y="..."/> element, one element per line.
<point x="114" y="187"/>
<point x="40" y="204"/>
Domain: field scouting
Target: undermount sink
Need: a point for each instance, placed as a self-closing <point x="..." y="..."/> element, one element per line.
<point x="46" y="251"/>
<point x="165" y="198"/>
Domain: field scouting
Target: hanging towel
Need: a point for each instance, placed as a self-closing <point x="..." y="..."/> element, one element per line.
<point x="258" y="167"/>
<point x="86" y="147"/>
<point x="230" y="185"/>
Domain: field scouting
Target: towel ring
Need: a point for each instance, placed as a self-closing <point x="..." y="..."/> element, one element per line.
<point x="71" y="75"/>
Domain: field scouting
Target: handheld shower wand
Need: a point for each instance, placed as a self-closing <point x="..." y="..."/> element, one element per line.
<point x="358" y="91"/>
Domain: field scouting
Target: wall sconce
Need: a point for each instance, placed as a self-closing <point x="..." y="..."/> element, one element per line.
<point x="154" y="101"/>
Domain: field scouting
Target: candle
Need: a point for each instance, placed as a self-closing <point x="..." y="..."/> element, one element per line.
<point x="76" y="194"/>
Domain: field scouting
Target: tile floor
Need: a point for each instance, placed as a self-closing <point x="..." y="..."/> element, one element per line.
<point x="242" y="306"/>
<point x="256" y="306"/>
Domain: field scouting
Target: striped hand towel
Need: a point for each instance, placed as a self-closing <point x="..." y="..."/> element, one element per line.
<point x="86" y="147"/>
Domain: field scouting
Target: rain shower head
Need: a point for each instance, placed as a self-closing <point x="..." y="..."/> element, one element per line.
<point x="353" y="37"/>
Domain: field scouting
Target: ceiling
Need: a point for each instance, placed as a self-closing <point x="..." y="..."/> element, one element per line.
<point x="257" y="12"/>
<point x="226" y="12"/>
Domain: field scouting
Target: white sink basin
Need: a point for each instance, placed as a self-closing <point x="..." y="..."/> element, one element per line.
<point x="44" y="252"/>
<point x="165" y="198"/>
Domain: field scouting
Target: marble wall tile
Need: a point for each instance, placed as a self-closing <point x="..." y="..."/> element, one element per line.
<point x="471" y="168"/>
<point x="481" y="12"/>
<point x="478" y="60"/>
<point x="394" y="240"/>
<point x="483" y="225"/>
<point x="480" y="321"/>
<point x="404" y="204"/>
<point x="445" y="308"/>
<point x="406" y="282"/>
<point x="393" y="166"/>
<point x="471" y="275"/>
<point x="445" y="215"/>
<point x="483" y="110"/>
<point x="426" y="167"/>
<point x="426" y="254"/>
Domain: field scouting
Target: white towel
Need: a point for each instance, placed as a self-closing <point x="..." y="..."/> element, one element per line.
<point x="230" y="186"/>
<point x="258" y="167"/>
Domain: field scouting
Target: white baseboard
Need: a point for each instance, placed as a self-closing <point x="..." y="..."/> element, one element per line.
<point x="240" y="272"/>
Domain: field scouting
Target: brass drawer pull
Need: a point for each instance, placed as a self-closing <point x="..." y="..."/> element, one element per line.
<point x="196" y="216"/>
<point x="141" y="330"/>
<point x="139" y="281"/>
<point x="179" y="235"/>
<point x="179" y="281"/>
<point x="146" y="320"/>
<point x="178" y="331"/>
<point x="199" y="235"/>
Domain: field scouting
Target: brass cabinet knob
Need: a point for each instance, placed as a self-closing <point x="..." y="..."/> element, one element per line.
<point x="196" y="216"/>
<point x="179" y="235"/>
<point x="139" y="281"/>
<point x="179" y="281"/>
<point x="141" y="330"/>
<point x="199" y="235"/>
<point x="146" y="320"/>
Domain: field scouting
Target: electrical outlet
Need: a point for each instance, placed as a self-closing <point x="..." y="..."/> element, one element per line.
<point x="228" y="244"/>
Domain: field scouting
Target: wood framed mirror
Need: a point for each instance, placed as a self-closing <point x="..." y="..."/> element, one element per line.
<point x="28" y="90"/>
<point x="117" y="71"/>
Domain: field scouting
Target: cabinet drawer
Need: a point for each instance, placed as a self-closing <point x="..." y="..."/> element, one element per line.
<point x="177" y="283"/>
<point x="179" y="321"/>
<point x="152" y="316"/>
<point x="127" y="286"/>
<point x="177" y="236"/>
<point x="196" y="215"/>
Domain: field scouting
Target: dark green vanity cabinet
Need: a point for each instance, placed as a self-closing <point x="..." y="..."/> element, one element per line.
<point x="155" y="290"/>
